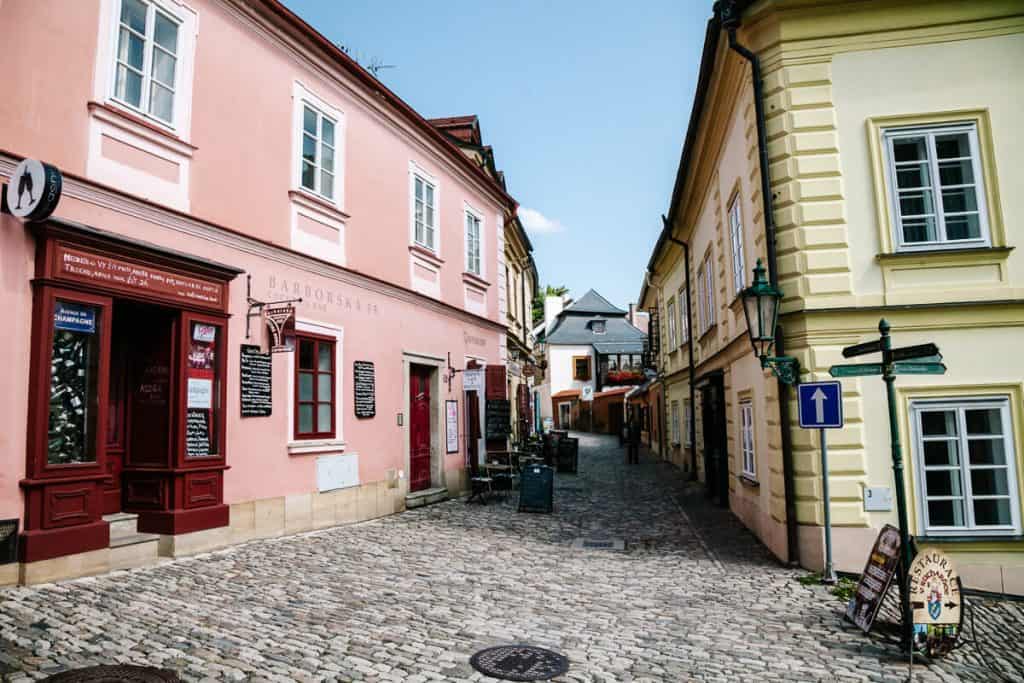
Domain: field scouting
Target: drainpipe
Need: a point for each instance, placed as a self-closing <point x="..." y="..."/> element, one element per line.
<point x="691" y="425"/>
<point x="729" y="14"/>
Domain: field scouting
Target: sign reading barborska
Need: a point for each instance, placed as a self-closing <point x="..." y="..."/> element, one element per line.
<point x="935" y="601"/>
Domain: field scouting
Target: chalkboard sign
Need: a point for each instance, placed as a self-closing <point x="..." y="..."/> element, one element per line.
<point x="874" y="582"/>
<point x="365" y="388"/>
<point x="197" y="433"/>
<point x="499" y="418"/>
<point x="256" y="397"/>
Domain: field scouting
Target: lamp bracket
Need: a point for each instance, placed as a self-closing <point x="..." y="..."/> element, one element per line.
<point x="786" y="368"/>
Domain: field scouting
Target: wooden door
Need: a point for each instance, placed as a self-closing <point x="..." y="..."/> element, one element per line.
<point x="150" y="388"/>
<point x="419" y="428"/>
<point x="117" y="415"/>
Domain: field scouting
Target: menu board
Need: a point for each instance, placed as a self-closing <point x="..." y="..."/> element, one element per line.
<point x="451" y="416"/>
<point x="365" y="389"/>
<point x="874" y="582"/>
<point x="197" y="433"/>
<point x="499" y="418"/>
<point x="255" y="384"/>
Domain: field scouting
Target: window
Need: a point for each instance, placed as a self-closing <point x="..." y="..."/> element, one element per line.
<point x="747" y="439"/>
<point x="935" y="181"/>
<point x="581" y="368"/>
<point x="965" y="458"/>
<point x="670" y="316"/>
<point x="675" y="423"/>
<point x="473" y="244"/>
<point x="314" y="382"/>
<point x="688" y="420"/>
<point x="597" y="326"/>
<point x="146" y="59"/>
<point x="706" y="295"/>
<point x="318" y="145"/>
<point x="684" y="319"/>
<point x="736" y="232"/>
<point x="424" y="211"/>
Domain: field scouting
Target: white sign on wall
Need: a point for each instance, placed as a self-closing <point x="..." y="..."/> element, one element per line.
<point x="200" y="393"/>
<point x="473" y="380"/>
<point x="337" y="472"/>
<point x="588" y="393"/>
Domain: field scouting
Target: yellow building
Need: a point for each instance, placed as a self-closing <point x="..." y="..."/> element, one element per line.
<point x="893" y="133"/>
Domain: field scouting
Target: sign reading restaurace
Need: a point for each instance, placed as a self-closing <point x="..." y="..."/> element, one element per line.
<point x="821" y="405"/>
<point x="935" y="600"/>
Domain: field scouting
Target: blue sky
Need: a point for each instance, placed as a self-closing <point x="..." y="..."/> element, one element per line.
<point x="584" y="101"/>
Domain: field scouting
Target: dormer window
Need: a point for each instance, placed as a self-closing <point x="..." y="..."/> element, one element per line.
<point x="597" y="326"/>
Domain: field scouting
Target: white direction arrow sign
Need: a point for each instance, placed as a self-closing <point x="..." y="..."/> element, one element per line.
<point x="819" y="404"/>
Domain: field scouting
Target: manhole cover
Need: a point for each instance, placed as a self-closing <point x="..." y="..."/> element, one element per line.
<point x="117" y="673"/>
<point x="519" y="663"/>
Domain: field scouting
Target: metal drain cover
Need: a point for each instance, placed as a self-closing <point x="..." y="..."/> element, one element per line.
<point x="519" y="663"/>
<point x="599" y="544"/>
<point x="118" y="673"/>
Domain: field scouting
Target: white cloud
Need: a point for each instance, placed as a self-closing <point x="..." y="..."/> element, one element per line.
<point x="537" y="223"/>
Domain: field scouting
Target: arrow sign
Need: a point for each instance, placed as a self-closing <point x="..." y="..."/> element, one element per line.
<point x="855" y="370"/>
<point x="919" y="368"/>
<point x="818" y="397"/>
<point x="862" y="349"/>
<point x="821" y="405"/>
<point x="919" y="351"/>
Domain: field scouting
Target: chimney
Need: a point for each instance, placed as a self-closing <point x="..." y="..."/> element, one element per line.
<point x="552" y="307"/>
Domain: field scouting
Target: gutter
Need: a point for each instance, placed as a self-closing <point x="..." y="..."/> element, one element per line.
<point x="729" y="15"/>
<point x="691" y="424"/>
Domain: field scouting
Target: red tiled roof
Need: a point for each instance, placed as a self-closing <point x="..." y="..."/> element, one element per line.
<point x="568" y="393"/>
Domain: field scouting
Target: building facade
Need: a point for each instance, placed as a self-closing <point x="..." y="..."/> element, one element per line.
<point x="212" y="179"/>
<point x="891" y="139"/>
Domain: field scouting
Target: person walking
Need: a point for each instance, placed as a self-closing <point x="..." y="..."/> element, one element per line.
<point x="634" y="441"/>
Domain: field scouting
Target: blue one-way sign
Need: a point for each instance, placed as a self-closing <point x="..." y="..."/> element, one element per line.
<point x="821" y="405"/>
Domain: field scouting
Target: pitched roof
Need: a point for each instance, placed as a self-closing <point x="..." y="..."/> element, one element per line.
<point x="575" y="329"/>
<point x="592" y="302"/>
<point x="567" y="393"/>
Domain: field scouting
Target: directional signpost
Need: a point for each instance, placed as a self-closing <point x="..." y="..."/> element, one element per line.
<point x="821" y="408"/>
<point x="922" y="359"/>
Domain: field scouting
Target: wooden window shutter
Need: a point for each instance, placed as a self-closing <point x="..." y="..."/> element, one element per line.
<point x="496" y="388"/>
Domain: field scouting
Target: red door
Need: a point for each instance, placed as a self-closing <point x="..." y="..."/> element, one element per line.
<point x="419" y="428"/>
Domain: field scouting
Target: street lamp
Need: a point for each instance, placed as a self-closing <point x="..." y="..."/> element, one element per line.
<point x="761" y="308"/>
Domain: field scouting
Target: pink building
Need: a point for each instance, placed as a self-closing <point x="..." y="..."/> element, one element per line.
<point x="219" y="154"/>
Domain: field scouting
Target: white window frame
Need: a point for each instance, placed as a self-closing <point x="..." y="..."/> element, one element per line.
<point x="337" y="444"/>
<point x="318" y="161"/>
<point x="670" y="317"/>
<point x="675" y="424"/>
<point x="747" y="449"/>
<point x="149" y="45"/>
<point x="739" y="267"/>
<point x="960" y="405"/>
<point x="478" y="216"/>
<point x="929" y="133"/>
<point x="417" y="172"/>
<point x="684" y="319"/>
<point x="303" y="97"/>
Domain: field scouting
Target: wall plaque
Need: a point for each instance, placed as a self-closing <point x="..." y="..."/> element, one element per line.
<point x="365" y="391"/>
<point x="499" y="418"/>
<point x="874" y="582"/>
<point x="257" y="400"/>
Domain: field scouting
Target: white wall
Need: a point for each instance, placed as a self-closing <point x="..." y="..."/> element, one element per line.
<point x="560" y="367"/>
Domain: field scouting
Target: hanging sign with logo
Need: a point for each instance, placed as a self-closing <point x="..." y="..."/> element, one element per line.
<point x="278" y="319"/>
<point x="935" y="601"/>
<point x="34" y="190"/>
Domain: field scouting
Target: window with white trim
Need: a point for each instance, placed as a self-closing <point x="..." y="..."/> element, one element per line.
<point x="706" y="295"/>
<point x="318" y="146"/>
<point x="965" y="458"/>
<point x="473" y="245"/>
<point x="670" y="319"/>
<point x="747" y="439"/>
<point x="675" y="422"/>
<point x="146" y="59"/>
<point x="935" y="184"/>
<point x="684" y="318"/>
<point x="736" y="233"/>
<point x="424" y="212"/>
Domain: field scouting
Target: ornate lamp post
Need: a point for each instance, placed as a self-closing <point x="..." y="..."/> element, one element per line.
<point x="761" y="308"/>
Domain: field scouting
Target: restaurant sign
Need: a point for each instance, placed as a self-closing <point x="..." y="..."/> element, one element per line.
<point x="34" y="190"/>
<point x="935" y="601"/>
<point x="874" y="582"/>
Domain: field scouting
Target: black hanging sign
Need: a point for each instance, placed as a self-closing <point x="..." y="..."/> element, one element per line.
<point x="499" y="418"/>
<point x="256" y="382"/>
<point x="365" y="388"/>
<point x="197" y="433"/>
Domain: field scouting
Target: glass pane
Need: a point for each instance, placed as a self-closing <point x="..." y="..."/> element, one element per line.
<point x="943" y="483"/>
<point x="986" y="451"/>
<point x="952" y="145"/>
<point x="327" y="184"/>
<point x="959" y="199"/>
<point x="909" y="149"/>
<point x="166" y="33"/>
<point x="430" y="215"/>
<point x="74" y="387"/>
<point x="916" y="175"/>
<point x="327" y="158"/>
<point x="131" y="49"/>
<point x="129" y="86"/>
<point x="945" y="513"/>
<point x="919" y="230"/>
<point x="966" y="227"/>
<point x="133" y="14"/>
<point x="992" y="512"/>
<point x="305" y="386"/>
<point x="941" y="453"/>
<point x="984" y="421"/>
<point x="327" y="134"/>
<point x="323" y="418"/>
<point x="306" y="419"/>
<point x="309" y="121"/>
<point x="916" y="203"/>
<point x="309" y="149"/>
<point x="306" y="354"/>
<point x="326" y="351"/>
<point x="428" y="237"/>
<point x="419" y="190"/>
<point x="956" y="172"/>
<point x="163" y="67"/>
<point x="161" y="102"/>
<point x="989" y="482"/>
<point x="430" y="194"/>
<point x="323" y="390"/>
<point x="308" y="175"/>
<point x="938" y="423"/>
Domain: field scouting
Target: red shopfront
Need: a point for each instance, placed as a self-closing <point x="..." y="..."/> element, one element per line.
<point x="127" y="392"/>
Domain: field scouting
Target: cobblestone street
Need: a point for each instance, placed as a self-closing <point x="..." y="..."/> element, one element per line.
<point x="411" y="597"/>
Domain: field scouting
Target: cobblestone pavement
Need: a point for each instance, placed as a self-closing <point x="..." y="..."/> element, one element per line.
<point x="411" y="597"/>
